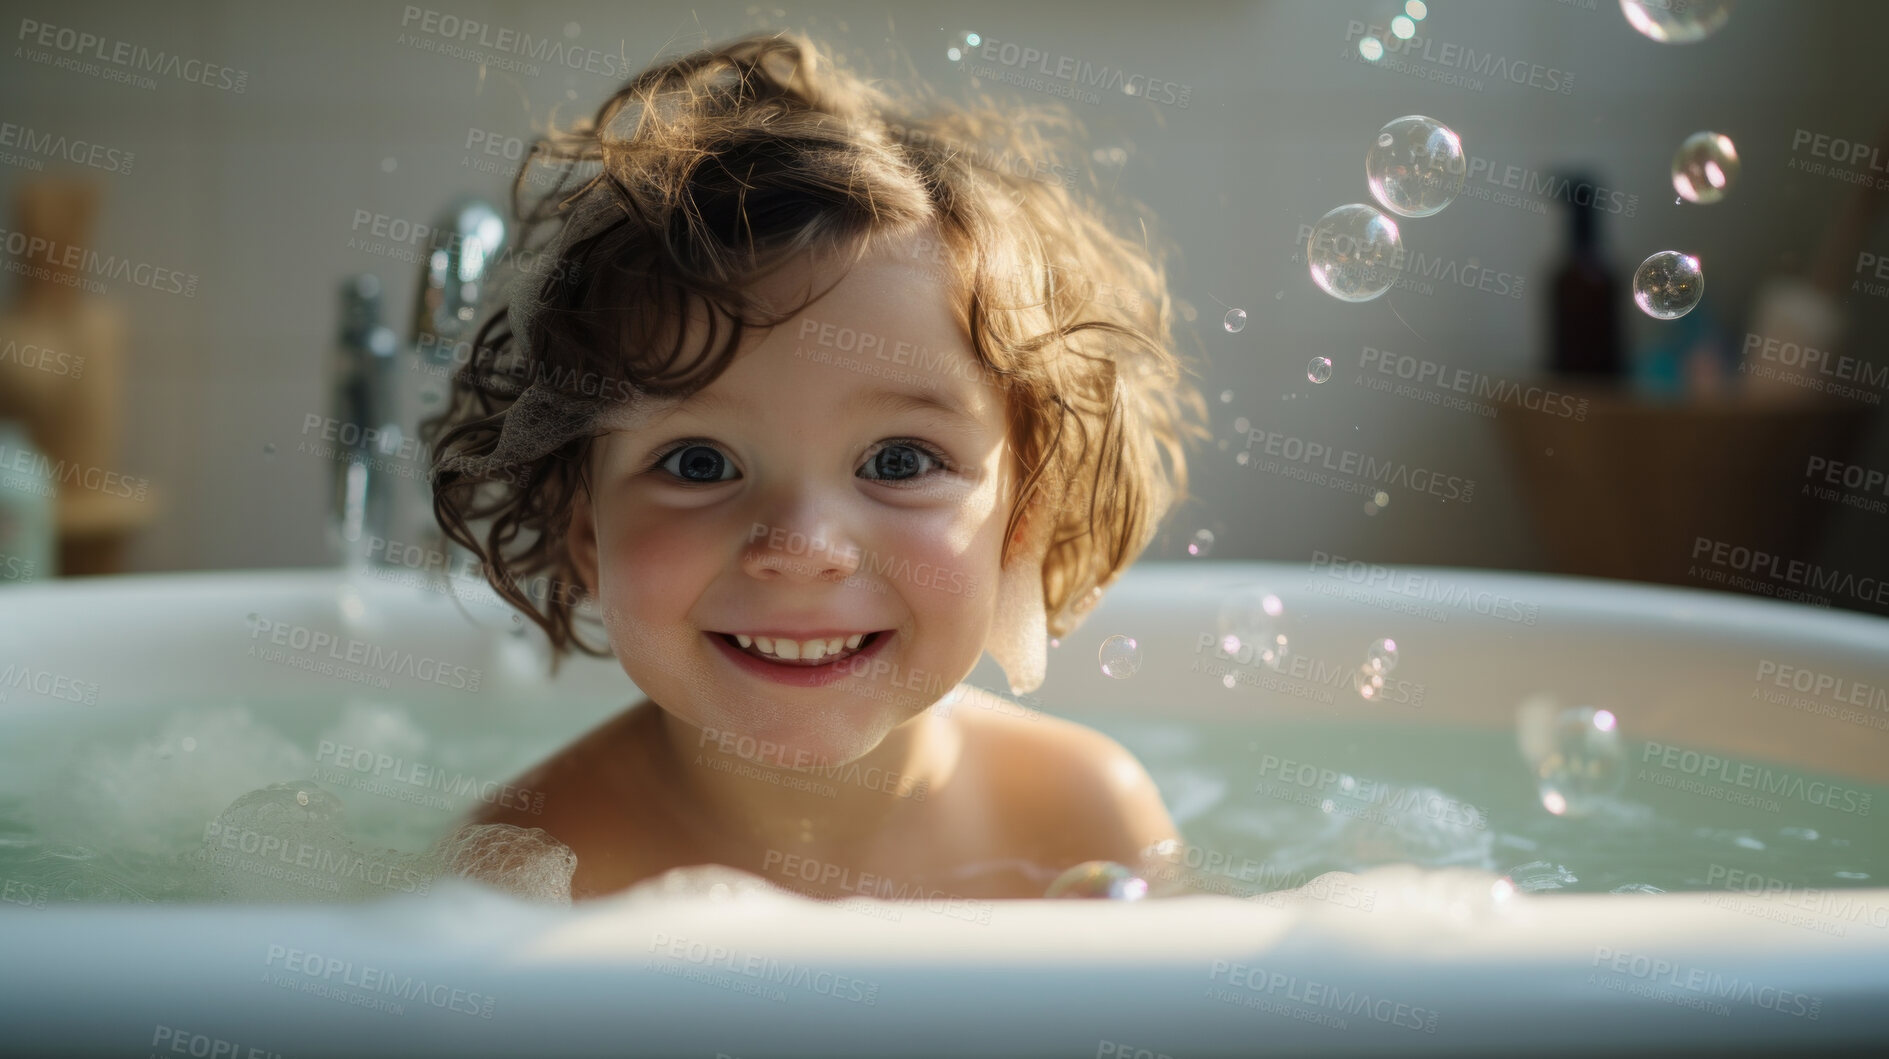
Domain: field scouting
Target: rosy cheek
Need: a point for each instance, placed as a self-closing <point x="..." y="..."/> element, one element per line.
<point x="650" y="561"/>
<point x="951" y="564"/>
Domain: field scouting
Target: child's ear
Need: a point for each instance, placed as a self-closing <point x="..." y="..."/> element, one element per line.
<point x="581" y="540"/>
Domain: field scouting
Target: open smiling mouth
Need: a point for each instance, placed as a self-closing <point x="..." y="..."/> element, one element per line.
<point x="766" y="649"/>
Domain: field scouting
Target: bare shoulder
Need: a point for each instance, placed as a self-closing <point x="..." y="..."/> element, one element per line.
<point x="1056" y="773"/>
<point x="561" y="792"/>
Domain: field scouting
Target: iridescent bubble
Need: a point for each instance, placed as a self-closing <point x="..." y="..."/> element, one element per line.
<point x="1371" y="48"/>
<point x="1235" y="320"/>
<point x="1277" y="653"/>
<point x="1676" y="21"/>
<point x="1403" y="28"/>
<point x="1382" y="655"/>
<point x="1354" y="253"/>
<point x="1098" y="880"/>
<point x="1201" y="544"/>
<point x="1704" y="167"/>
<point x="1576" y="756"/>
<point x="1249" y="617"/>
<point x="1415" y="166"/>
<point x="1120" y="657"/>
<point x="1668" y="285"/>
<point x="1318" y="369"/>
<point x="1368" y="680"/>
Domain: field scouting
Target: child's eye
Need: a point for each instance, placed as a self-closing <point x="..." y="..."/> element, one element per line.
<point x="700" y="466"/>
<point x="699" y="463"/>
<point x="902" y="457"/>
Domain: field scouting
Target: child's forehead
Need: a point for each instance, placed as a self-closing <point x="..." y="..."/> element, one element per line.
<point x="885" y="311"/>
<point x="918" y="264"/>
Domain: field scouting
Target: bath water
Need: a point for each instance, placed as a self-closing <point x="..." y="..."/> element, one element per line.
<point x="321" y="801"/>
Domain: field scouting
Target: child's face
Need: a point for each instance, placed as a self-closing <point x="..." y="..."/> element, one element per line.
<point x="785" y="498"/>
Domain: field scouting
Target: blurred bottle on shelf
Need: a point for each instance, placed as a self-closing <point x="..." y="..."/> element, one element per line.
<point x="1584" y="332"/>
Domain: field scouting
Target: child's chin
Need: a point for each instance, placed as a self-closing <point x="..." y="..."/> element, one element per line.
<point x="822" y="739"/>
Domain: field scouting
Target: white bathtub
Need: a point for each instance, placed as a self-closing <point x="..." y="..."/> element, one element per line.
<point x="1533" y="974"/>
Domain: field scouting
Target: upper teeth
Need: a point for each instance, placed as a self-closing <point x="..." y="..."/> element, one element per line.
<point x="795" y="650"/>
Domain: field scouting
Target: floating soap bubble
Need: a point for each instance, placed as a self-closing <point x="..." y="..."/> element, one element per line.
<point x="1354" y="253"/>
<point x="1277" y="653"/>
<point x="1574" y="753"/>
<point x="1201" y="544"/>
<point x="1249" y="622"/>
<point x="1120" y="657"/>
<point x="1368" y="681"/>
<point x="1704" y="167"/>
<point x="1319" y="369"/>
<point x="1676" y="21"/>
<point x="1668" y="285"/>
<point x="1415" y="166"/>
<point x="1382" y="655"/>
<point x="1371" y="48"/>
<point x="1099" y="880"/>
<point x="1235" y="320"/>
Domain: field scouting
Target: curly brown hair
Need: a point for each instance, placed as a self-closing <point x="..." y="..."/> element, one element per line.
<point x="709" y="171"/>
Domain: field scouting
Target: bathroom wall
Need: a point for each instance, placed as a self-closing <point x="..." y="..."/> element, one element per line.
<point x="352" y="108"/>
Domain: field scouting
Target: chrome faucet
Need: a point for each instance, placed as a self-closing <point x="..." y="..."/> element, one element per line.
<point x="383" y="513"/>
<point x="366" y="364"/>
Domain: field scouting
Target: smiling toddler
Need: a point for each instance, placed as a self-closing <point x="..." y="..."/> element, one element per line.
<point x="807" y="401"/>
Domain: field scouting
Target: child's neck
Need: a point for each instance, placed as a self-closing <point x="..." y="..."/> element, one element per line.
<point x="828" y="809"/>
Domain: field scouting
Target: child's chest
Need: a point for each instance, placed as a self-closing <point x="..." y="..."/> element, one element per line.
<point x="963" y="842"/>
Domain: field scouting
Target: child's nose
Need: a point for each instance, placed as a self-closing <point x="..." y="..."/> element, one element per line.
<point x="818" y="554"/>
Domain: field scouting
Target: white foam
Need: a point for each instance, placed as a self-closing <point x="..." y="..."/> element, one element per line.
<point x="524" y="862"/>
<point x="152" y="798"/>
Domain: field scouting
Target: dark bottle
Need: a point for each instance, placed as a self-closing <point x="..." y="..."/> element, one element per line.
<point x="1584" y="319"/>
